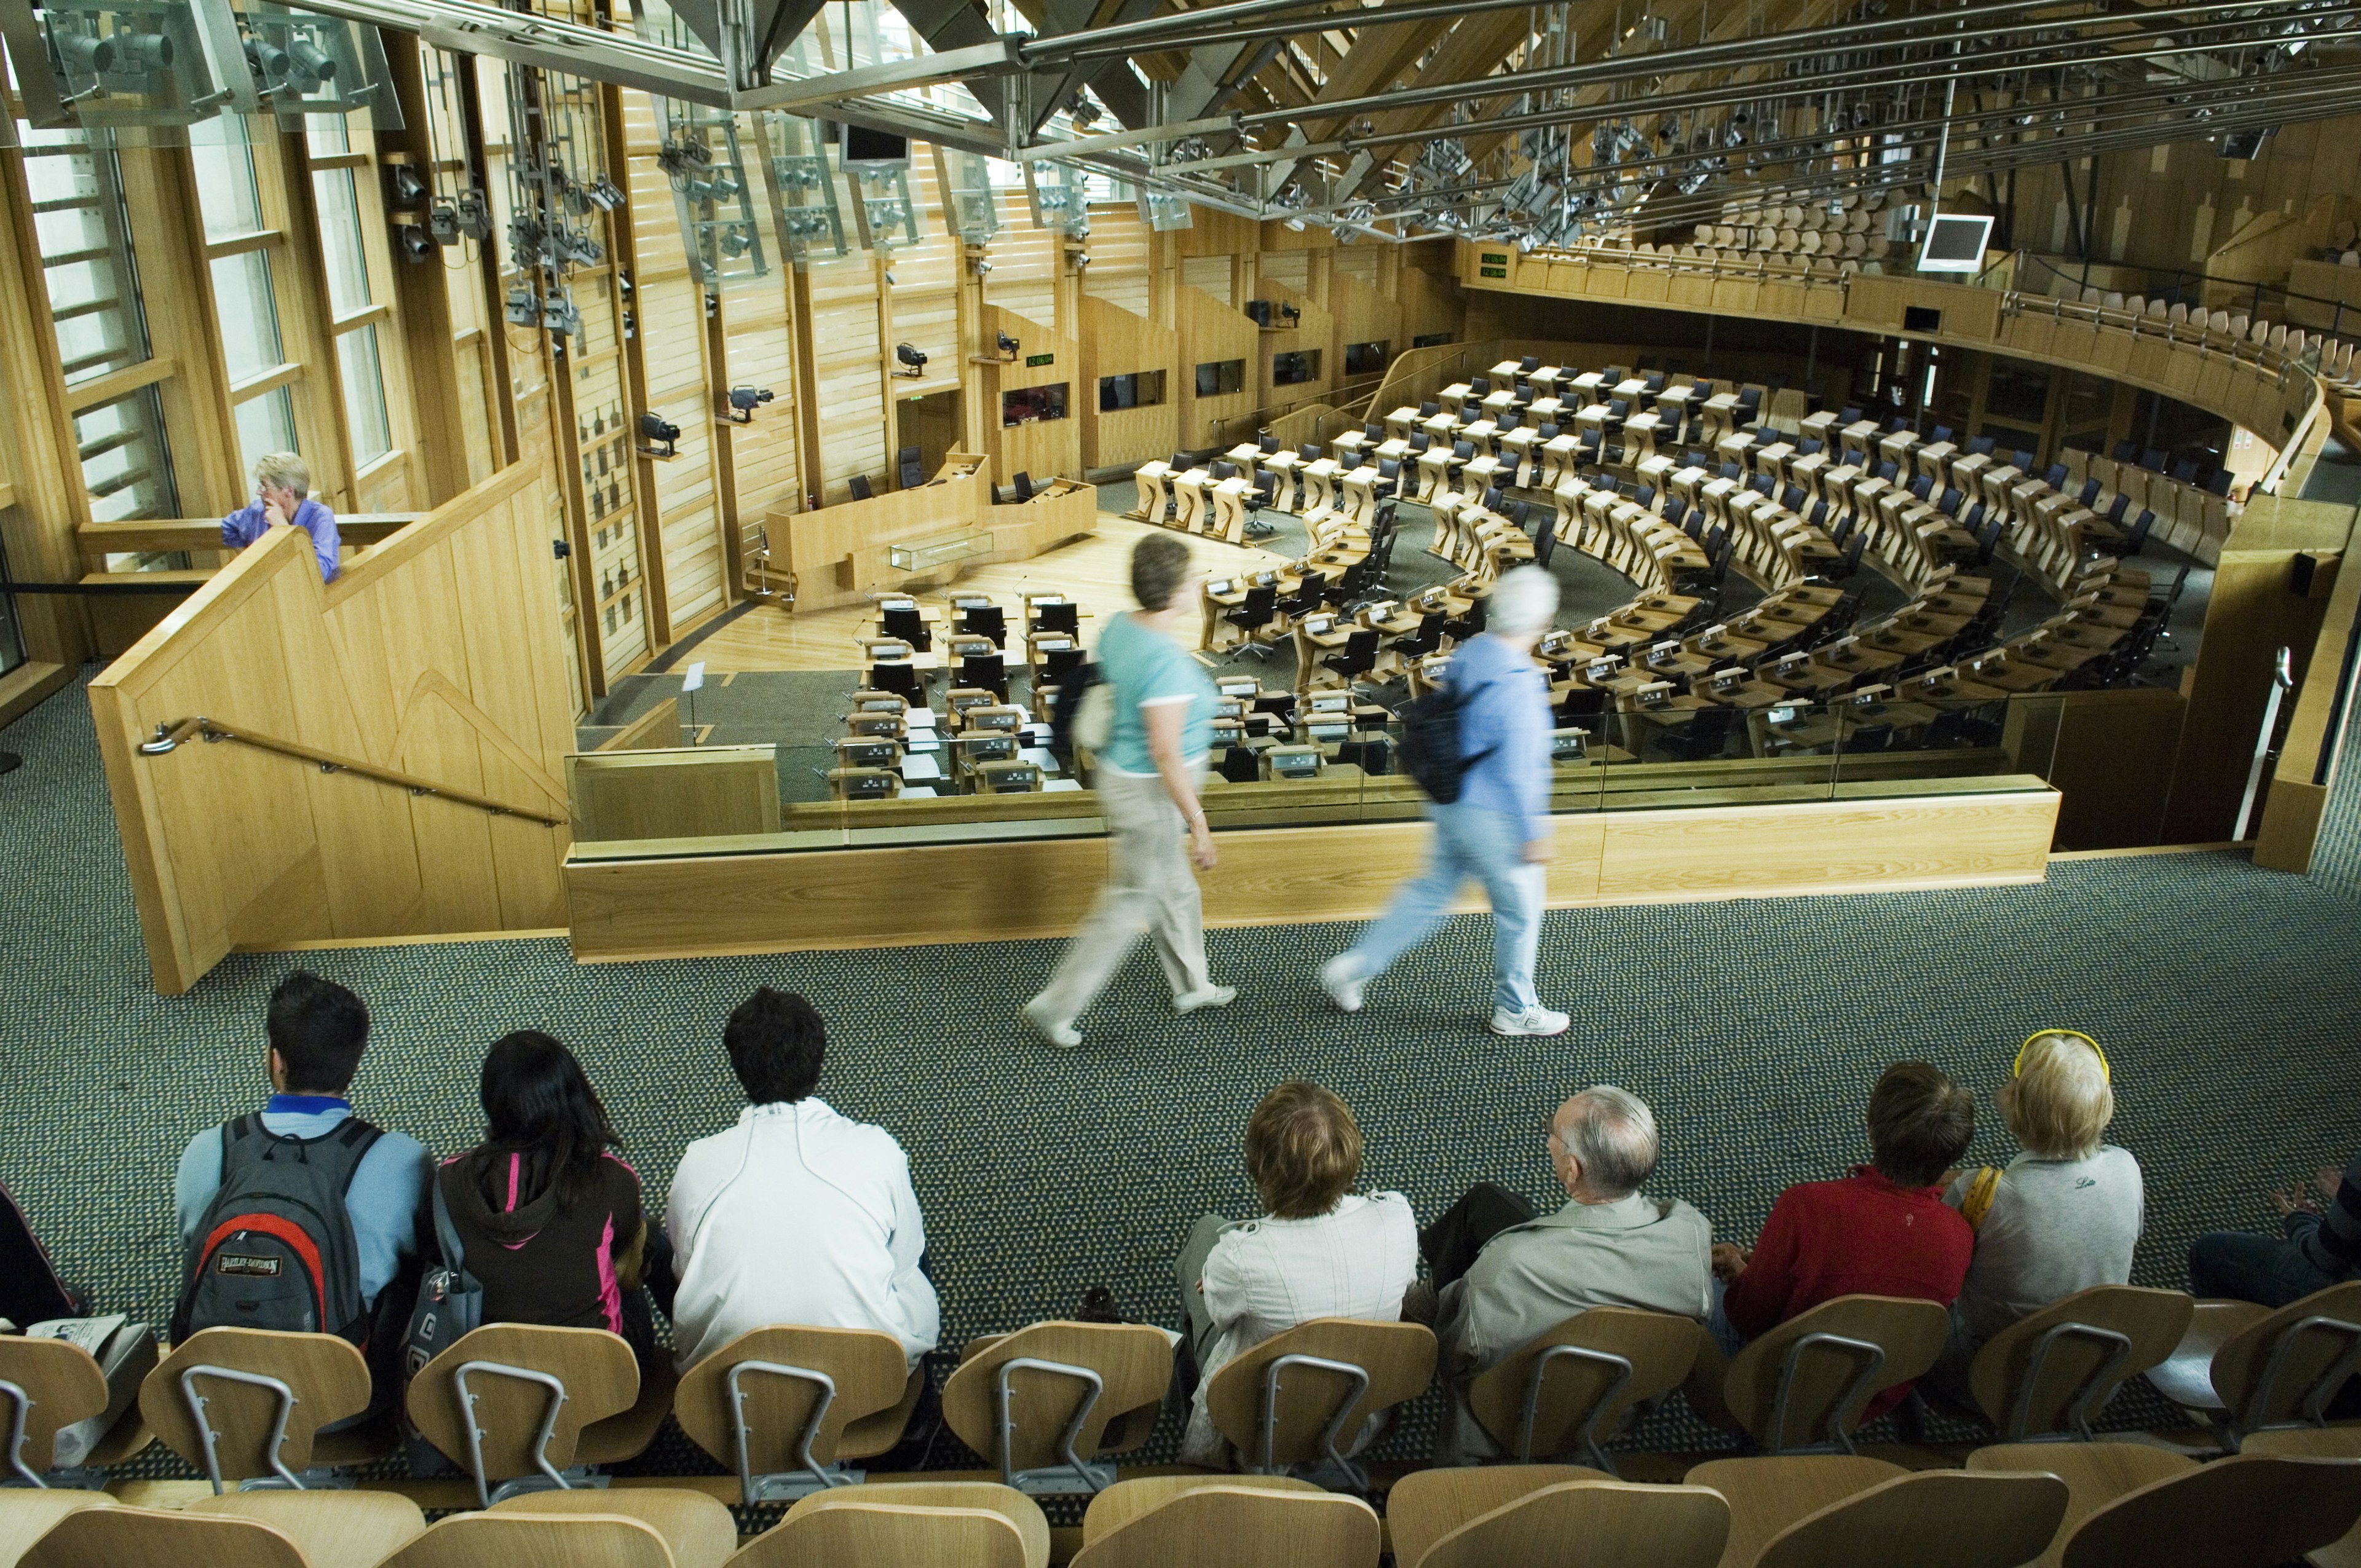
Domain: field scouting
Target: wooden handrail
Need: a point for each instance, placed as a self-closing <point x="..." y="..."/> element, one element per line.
<point x="205" y="533"/>
<point x="170" y="736"/>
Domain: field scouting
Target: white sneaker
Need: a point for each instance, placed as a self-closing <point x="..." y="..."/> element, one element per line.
<point x="1531" y="1021"/>
<point x="1061" y="1034"/>
<point x="1207" y="996"/>
<point x="1342" y="979"/>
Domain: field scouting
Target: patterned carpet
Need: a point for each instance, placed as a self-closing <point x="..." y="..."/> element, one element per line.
<point x="2227" y="999"/>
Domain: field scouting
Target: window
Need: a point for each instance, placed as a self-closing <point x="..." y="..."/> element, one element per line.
<point x="1030" y="403"/>
<point x="365" y="411"/>
<point x="85" y="241"/>
<point x="265" y="423"/>
<point x="1366" y="358"/>
<point x="1218" y="378"/>
<point x="248" y="316"/>
<point x="125" y="464"/>
<point x="1141" y="390"/>
<point x="340" y="239"/>
<point x="1430" y="340"/>
<point x="240" y="239"/>
<point x="12" y="638"/>
<point x="1295" y="367"/>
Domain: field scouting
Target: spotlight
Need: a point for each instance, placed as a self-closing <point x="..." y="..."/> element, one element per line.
<point x="85" y="52"/>
<point x="658" y="432"/>
<point x="143" y="51"/>
<point x="737" y="240"/>
<point x="308" y="58"/>
<point x="443" y="223"/>
<point x="473" y="216"/>
<point x="1081" y="258"/>
<point x="914" y="363"/>
<point x="603" y="193"/>
<point x="1085" y="113"/>
<point x="416" y="244"/>
<point x="409" y="186"/>
<point x="1007" y="346"/>
<point x="980" y="265"/>
<point x="559" y="317"/>
<point x="744" y="401"/>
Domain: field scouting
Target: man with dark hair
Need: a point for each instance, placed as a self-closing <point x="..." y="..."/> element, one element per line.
<point x="317" y="1031"/>
<point x="1884" y="1229"/>
<point x="796" y="1214"/>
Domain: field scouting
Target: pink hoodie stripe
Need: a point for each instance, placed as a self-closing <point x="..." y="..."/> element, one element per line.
<point x="610" y="1289"/>
<point x="516" y="1163"/>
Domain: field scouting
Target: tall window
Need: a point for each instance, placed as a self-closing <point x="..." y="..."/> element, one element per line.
<point x="336" y="197"/>
<point x="239" y="243"/>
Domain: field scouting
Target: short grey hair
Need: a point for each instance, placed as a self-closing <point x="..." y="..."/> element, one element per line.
<point x="1523" y="602"/>
<point x="1613" y="1134"/>
<point x="284" y="470"/>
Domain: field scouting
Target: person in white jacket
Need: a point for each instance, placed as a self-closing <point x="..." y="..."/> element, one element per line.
<point x="796" y="1215"/>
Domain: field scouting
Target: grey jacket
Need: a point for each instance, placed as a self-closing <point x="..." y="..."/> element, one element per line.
<point x="1639" y="1251"/>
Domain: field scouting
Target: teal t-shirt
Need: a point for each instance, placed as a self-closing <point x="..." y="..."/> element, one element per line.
<point x="1142" y="665"/>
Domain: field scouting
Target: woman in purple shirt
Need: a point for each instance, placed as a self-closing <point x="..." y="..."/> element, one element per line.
<point x="283" y="490"/>
<point x="1497" y="830"/>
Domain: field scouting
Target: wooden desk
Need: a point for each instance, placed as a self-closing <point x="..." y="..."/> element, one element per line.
<point x="1904" y="641"/>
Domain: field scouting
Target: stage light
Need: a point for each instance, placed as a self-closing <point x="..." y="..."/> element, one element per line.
<point x="312" y="61"/>
<point x="409" y="186"/>
<point x="659" y="432"/>
<point x="744" y="401"/>
<point x="914" y="363"/>
<point x="143" y="51"/>
<point x="1007" y="346"/>
<point x="84" y="52"/>
<point x="415" y="243"/>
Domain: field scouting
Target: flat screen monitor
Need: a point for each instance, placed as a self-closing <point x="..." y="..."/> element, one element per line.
<point x="1955" y="243"/>
<point x="875" y="150"/>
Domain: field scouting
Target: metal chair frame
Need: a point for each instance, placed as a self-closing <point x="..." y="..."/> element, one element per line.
<point x="2314" y="1406"/>
<point x="1585" y="1437"/>
<point x="1331" y="1459"/>
<point x="784" y="1487"/>
<point x="1872" y="1358"/>
<point x="551" y="1479"/>
<point x="2077" y="1409"/>
<point x="316" y="1478"/>
<point x="1075" y="1474"/>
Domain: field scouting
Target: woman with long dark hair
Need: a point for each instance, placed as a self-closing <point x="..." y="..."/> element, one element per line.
<point x="547" y="1215"/>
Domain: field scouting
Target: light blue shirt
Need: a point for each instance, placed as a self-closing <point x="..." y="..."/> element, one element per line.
<point x="387" y="1187"/>
<point x="1144" y="668"/>
<point x="247" y="524"/>
<point x="1506" y="714"/>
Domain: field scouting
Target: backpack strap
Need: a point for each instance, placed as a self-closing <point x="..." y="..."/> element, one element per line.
<point x="358" y="1137"/>
<point x="446" y="1236"/>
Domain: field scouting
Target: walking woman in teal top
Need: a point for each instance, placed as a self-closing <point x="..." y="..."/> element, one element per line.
<point x="1147" y="778"/>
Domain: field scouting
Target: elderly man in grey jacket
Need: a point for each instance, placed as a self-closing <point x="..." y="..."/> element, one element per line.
<point x="1610" y="1245"/>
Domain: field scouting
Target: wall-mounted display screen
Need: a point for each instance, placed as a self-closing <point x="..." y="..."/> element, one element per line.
<point x="1218" y="377"/>
<point x="1140" y="389"/>
<point x="1028" y="404"/>
<point x="1955" y="243"/>
<point x="1364" y="358"/>
<point x="1294" y="368"/>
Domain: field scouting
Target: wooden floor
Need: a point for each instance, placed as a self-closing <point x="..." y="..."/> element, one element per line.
<point x="1095" y="570"/>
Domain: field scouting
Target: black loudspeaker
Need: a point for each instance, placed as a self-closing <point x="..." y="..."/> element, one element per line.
<point x="2300" y="572"/>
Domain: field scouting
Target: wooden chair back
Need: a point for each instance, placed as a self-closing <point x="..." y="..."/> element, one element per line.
<point x="868" y="1369"/>
<point x="2248" y="1511"/>
<point x="1591" y="1524"/>
<point x="2263" y="1372"/>
<point x="990" y="1497"/>
<point x="1245" y="1527"/>
<point x="1398" y="1359"/>
<point x="328" y="1527"/>
<point x="26" y="1516"/>
<point x="697" y="1530"/>
<point x="63" y="1385"/>
<point x="1125" y="1501"/>
<point x="1133" y="1362"/>
<point x="1824" y="1393"/>
<point x="854" y="1532"/>
<point x="535" y="1540"/>
<point x="1583" y="1394"/>
<point x="1768" y="1493"/>
<point x="146" y="1538"/>
<point x="2096" y="1474"/>
<point x="328" y="1378"/>
<point x="1950" y="1519"/>
<point x="2055" y="1370"/>
<point x="599" y="1376"/>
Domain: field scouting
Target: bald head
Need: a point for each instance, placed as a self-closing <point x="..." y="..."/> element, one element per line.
<point x="1605" y="1144"/>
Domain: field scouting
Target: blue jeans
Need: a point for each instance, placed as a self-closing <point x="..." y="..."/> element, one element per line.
<point x="2245" y="1266"/>
<point x="1490" y="846"/>
<point x="1725" y="1332"/>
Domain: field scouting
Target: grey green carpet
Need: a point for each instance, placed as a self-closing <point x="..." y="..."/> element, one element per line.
<point x="2227" y="997"/>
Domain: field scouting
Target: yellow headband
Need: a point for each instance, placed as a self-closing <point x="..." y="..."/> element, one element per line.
<point x="2070" y="1034"/>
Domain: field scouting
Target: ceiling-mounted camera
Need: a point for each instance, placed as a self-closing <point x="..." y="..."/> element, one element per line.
<point x="744" y="401"/>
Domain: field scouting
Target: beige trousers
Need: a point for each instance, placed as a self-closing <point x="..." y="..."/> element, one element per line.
<point x="1151" y="888"/>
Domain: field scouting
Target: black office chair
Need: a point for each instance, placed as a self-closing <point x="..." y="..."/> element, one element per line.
<point x="1546" y="541"/>
<point x="1471" y="624"/>
<point x="902" y="679"/>
<point x="2136" y="540"/>
<point x="1428" y="410"/>
<point x="1310" y="452"/>
<point x="1357" y="658"/>
<point x="985" y="672"/>
<point x="908" y="625"/>
<point x="1701" y="737"/>
<point x="1427" y="638"/>
<point x="1059" y="662"/>
<point x="1225" y="471"/>
<point x="906" y="462"/>
<point x="1023" y="485"/>
<point x="1261" y="607"/>
<point x="1390" y="475"/>
<point x="1579" y="704"/>
<point x="1373" y="756"/>
<point x="1528" y="365"/>
<point x="1309" y="596"/>
<point x="1480" y="384"/>
<point x="1066" y="617"/>
<point x="859" y="486"/>
<point x="1240" y="766"/>
<point x="984" y="621"/>
<point x="1868" y="738"/>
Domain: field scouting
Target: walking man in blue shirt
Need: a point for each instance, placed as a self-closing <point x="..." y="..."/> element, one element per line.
<point x="282" y="491"/>
<point x="1498" y="832"/>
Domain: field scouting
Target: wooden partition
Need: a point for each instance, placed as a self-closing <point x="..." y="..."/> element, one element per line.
<point x="439" y="655"/>
<point x="1938" y="833"/>
<point x="1118" y="343"/>
<point x="688" y="791"/>
<point x="1043" y="448"/>
<point x="1212" y="333"/>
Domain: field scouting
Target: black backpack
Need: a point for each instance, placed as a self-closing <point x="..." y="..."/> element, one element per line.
<point x="276" y="1247"/>
<point x="1430" y="742"/>
<point x="1071" y="687"/>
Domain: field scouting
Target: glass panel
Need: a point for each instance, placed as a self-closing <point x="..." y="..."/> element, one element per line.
<point x="79" y="220"/>
<point x="12" y="638"/>
<point x="328" y="135"/>
<point x="248" y="315"/>
<point x="265" y="424"/>
<point x="225" y="188"/>
<point x="125" y="465"/>
<point x="364" y="395"/>
<point x="340" y="239"/>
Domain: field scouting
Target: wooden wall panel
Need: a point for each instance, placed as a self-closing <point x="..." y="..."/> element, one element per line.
<point x="1315" y="331"/>
<point x="1045" y="447"/>
<point x="974" y="890"/>
<point x="1115" y="342"/>
<point x="1024" y="277"/>
<point x="846" y="374"/>
<point x="439" y="653"/>
<point x="1210" y="276"/>
<point x="1120" y="249"/>
<point x="1210" y="331"/>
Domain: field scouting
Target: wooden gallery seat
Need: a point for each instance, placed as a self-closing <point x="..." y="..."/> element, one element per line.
<point x="521" y="1406"/>
<point x="246" y="1404"/>
<point x="1298" y="1402"/>
<point x="1933" y="1518"/>
<point x="1801" y="1387"/>
<point x="1235" y="1522"/>
<point x="531" y="1541"/>
<point x="697" y="1530"/>
<point x="781" y="1406"/>
<point x="62" y="1385"/>
<point x="332" y="1529"/>
<point x="2095" y="1475"/>
<point x="251" y="1530"/>
<point x="1770" y="1493"/>
<point x="2248" y="1511"/>
<point x="26" y="1515"/>
<point x="1571" y="1389"/>
<point x="2053" y="1371"/>
<point x="1551" y="1516"/>
<point x="2242" y="1367"/>
<point x="1044" y="1403"/>
<point x="953" y="1524"/>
